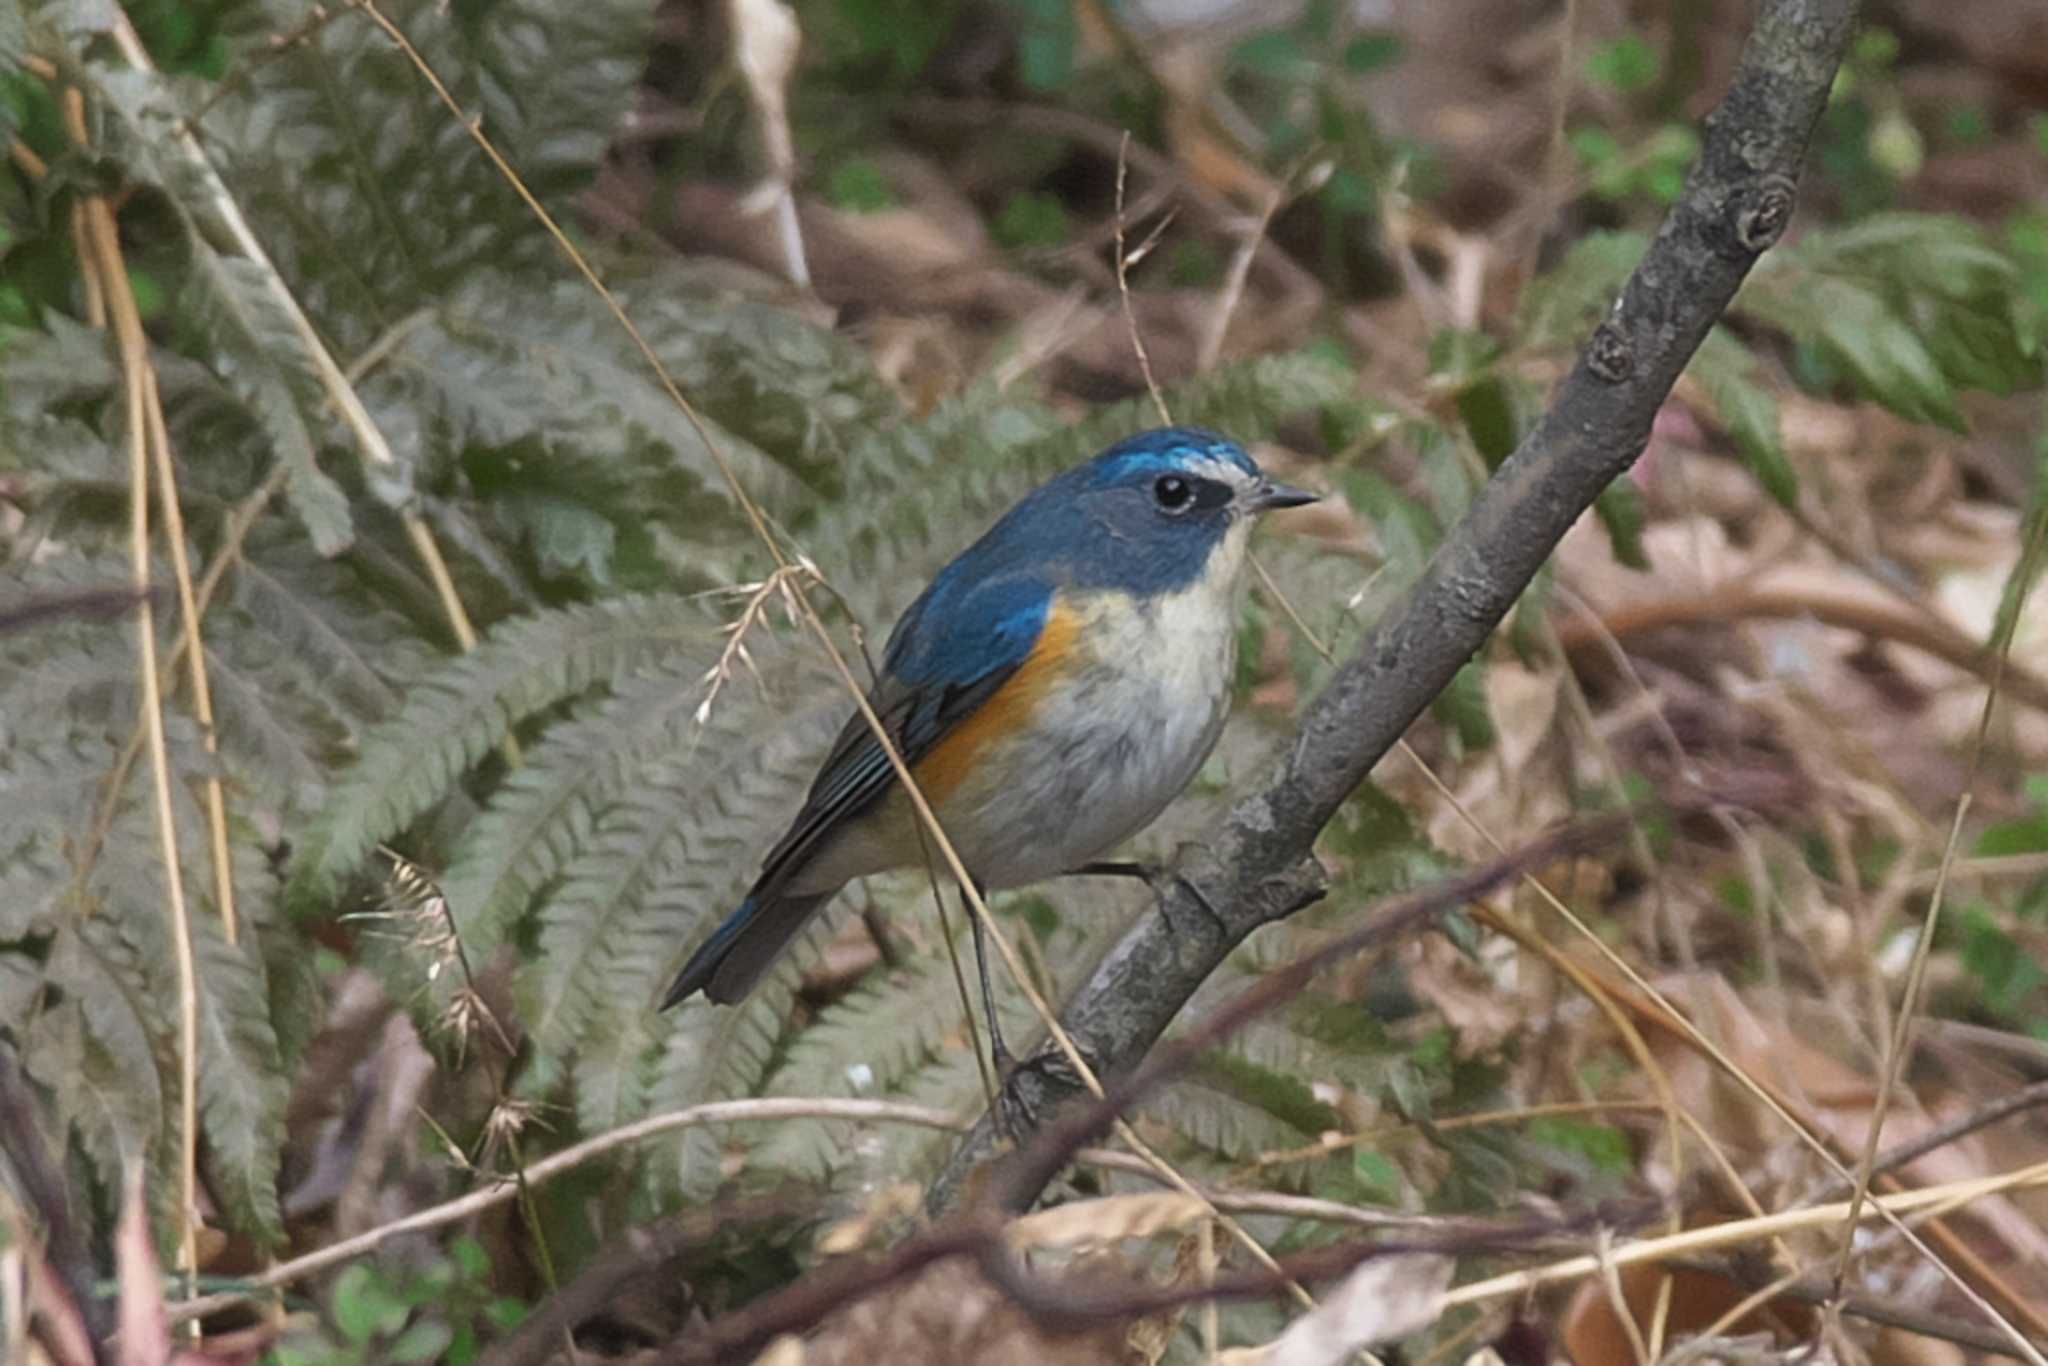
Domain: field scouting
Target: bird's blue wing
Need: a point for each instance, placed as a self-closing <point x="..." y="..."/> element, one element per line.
<point x="958" y="643"/>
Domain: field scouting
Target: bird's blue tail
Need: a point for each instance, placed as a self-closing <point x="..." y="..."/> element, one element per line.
<point x="740" y="951"/>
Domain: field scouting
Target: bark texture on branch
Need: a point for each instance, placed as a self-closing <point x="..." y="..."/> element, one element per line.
<point x="1260" y="866"/>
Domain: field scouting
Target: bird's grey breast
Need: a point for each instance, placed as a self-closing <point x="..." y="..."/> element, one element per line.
<point x="1117" y="740"/>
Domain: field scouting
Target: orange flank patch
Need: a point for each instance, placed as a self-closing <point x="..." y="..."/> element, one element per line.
<point x="1007" y="710"/>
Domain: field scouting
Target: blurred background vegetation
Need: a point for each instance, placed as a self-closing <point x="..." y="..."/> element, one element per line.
<point x="1376" y="234"/>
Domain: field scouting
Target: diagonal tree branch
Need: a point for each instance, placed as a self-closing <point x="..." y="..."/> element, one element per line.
<point x="1260" y="866"/>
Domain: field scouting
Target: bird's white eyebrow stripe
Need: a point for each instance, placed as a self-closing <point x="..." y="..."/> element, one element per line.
<point x="1222" y="471"/>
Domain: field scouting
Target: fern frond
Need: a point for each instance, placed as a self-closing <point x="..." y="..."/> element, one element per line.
<point x="313" y="610"/>
<point x="114" y="954"/>
<point x="1213" y="1110"/>
<point x="672" y="856"/>
<point x="542" y="815"/>
<point x="243" y="1087"/>
<point x="712" y="1053"/>
<point x="258" y="353"/>
<point x="451" y="719"/>
<point x="91" y="1056"/>
<point x="410" y="205"/>
<point x="615" y="1071"/>
<point x="867" y="1043"/>
<point x="49" y="789"/>
<point x="506" y="365"/>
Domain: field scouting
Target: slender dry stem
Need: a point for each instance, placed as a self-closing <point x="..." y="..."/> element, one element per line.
<point x="1123" y="286"/>
<point x="195" y="656"/>
<point x="133" y="346"/>
<point x="1740" y="1231"/>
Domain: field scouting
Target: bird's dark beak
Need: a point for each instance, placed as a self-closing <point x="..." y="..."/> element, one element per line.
<point x="1272" y="495"/>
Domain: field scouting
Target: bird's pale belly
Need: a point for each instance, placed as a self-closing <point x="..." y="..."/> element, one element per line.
<point x="1101" y="760"/>
<point x="1104" y="752"/>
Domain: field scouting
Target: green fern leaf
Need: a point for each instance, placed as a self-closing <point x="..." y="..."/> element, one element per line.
<point x="410" y="204"/>
<point x="867" y="1043"/>
<point x="119" y="961"/>
<point x="243" y="1086"/>
<point x="258" y="351"/>
<point x="614" y="1071"/>
<point x="673" y="854"/>
<point x="1209" y="1113"/>
<point x="97" y="1054"/>
<point x="542" y="815"/>
<point x="711" y="1053"/>
<point x="452" y="718"/>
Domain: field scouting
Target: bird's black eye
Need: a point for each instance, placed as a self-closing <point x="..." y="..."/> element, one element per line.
<point x="1173" y="493"/>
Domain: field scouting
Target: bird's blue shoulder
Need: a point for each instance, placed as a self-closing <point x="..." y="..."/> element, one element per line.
<point x="978" y="616"/>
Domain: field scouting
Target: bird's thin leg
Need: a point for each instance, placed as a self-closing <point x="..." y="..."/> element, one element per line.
<point x="1012" y="1115"/>
<point x="1154" y="877"/>
<point x="999" y="1052"/>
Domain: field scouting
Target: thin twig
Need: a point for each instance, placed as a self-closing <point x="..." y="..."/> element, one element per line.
<point x="1844" y="611"/>
<point x="133" y="346"/>
<point x="1123" y="288"/>
<point x="1916" y="975"/>
<point x="1740" y="1231"/>
<point x="1902" y="1033"/>
<point x="1217" y="325"/>
<point x="1893" y="1158"/>
<point x="504" y="1188"/>
<point x="195" y="657"/>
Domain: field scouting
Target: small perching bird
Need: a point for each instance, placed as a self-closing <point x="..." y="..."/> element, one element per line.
<point x="1052" y="690"/>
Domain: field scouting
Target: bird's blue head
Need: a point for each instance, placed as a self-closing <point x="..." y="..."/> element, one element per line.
<point x="1148" y="515"/>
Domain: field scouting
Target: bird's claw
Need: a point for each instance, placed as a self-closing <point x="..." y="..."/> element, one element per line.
<point x="1016" y="1115"/>
<point x="1160" y="880"/>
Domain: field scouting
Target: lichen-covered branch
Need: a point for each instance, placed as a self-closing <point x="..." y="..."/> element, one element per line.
<point x="1259" y="867"/>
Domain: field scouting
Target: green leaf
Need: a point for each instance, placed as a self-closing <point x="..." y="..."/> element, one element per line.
<point x="858" y="185"/>
<point x="1910" y="307"/>
<point x="672" y="853"/>
<point x="364" y="1307"/>
<point x="1380" y="1177"/>
<point x="1462" y="706"/>
<point x="543" y="814"/>
<point x="1372" y="51"/>
<point x="423" y="1341"/>
<point x="1620" y="509"/>
<point x="1565" y="304"/>
<point x="1491" y="418"/>
<point x="257" y="351"/>
<point x="1046" y="38"/>
<point x="1725" y="369"/>
<point x="2033" y="537"/>
<point x="867" y="1043"/>
<point x="1032" y="219"/>
<point x="243" y="1084"/>
<point x="1608" y="1149"/>
<point x="1627" y="64"/>
<point x="714" y="1053"/>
